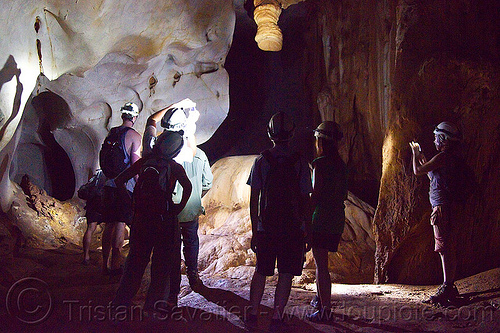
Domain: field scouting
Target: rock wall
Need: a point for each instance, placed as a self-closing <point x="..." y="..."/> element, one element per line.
<point x="69" y="66"/>
<point x="388" y="72"/>
<point x="350" y="82"/>
<point x="447" y="57"/>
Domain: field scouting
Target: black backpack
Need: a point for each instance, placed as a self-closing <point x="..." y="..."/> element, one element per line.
<point x="280" y="195"/>
<point x="93" y="193"/>
<point x="150" y="192"/>
<point x="112" y="155"/>
<point x="93" y="188"/>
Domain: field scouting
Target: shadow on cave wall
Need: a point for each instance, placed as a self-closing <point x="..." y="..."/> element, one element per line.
<point x="53" y="112"/>
<point x="8" y="71"/>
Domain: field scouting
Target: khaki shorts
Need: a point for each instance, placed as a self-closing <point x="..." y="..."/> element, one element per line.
<point x="440" y="221"/>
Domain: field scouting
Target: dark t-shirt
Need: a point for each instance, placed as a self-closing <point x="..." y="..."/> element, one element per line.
<point x="329" y="193"/>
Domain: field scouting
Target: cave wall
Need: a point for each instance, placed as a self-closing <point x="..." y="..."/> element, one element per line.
<point x="388" y="72"/>
<point x="68" y="67"/>
<point x="350" y="82"/>
<point x="263" y="83"/>
<point x="91" y="58"/>
<point x="447" y="57"/>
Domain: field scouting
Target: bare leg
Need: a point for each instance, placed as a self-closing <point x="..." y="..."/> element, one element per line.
<point x="116" y="245"/>
<point x="449" y="265"/>
<point x="256" y="291"/>
<point x="281" y="294"/>
<point x="323" y="281"/>
<point x="106" y="245"/>
<point x="87" y="238"/>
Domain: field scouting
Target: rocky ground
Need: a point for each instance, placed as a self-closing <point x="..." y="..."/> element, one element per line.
<point x="51" y="291"/>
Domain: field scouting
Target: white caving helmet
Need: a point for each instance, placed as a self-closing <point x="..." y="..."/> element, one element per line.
<point x="175" y="119"/>
<point x="280" y="127"/>
<point x="329" y="130"/>
<point x="130" y="109"/>
<point x="447" y="131"/>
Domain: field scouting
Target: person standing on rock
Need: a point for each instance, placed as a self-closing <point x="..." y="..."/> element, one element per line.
<point x="443" y="172"/>
<point x="280" y="182"/>
<point x="121" y="149"/>
<point x="328" y="219"/>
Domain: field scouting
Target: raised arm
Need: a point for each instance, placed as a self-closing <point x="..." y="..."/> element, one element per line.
<point x="420" y="164"/>
<point x="156" y="117"/>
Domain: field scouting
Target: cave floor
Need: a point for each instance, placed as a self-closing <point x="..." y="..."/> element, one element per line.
<point x="51" y="291"/>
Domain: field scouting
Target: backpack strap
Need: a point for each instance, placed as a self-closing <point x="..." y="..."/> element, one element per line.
<point x="122" y="131"/>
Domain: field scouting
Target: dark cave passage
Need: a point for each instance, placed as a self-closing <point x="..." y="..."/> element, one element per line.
<point x="53" y="113"/>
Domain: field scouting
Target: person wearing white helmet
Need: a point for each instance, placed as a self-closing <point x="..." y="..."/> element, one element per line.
<point x="178" y="117"/>
<point x="443" y="172"/>
<point x="280" y="183"/>
<point x="118" y="210"/>
<point x="181" y="118"/>
<point x="328" y="219"/>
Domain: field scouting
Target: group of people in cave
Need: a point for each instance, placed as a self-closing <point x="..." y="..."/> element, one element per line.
<point x="158" y="193"/>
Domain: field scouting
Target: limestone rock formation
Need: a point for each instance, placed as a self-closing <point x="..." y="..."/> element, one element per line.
<point x="45" y="222"/>
<point x="451" y="74"/>
<point x="389" y="72"/>
<point x="69" y="66"/>
<point x="226" y="230"/>
<point x="266" y="14"/>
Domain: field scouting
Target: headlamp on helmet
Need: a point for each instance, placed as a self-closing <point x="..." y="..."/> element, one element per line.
<point x="447" y="131"/>
<point x="130" y="109"/>
<point x="328" y="130"/>
<point x="175" y="119"/>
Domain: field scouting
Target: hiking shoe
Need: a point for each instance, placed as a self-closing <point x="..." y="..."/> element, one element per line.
<point x="445" y="294"/>
<point x="316" y="302"/>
